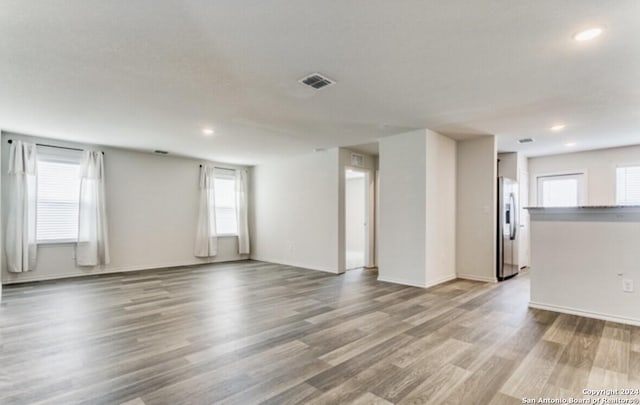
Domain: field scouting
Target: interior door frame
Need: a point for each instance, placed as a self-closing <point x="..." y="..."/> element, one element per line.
<point x="369" y="246"/>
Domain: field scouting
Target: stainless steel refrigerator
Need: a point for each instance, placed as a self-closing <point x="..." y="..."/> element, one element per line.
<point x="507" y="258"/>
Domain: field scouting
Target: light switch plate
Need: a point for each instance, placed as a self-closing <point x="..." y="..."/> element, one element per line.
<point x="627" y="285"/>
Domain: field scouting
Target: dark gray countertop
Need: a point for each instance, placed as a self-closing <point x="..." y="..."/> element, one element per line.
<point x="582" y="206"/>
<point x="587" y="213"/>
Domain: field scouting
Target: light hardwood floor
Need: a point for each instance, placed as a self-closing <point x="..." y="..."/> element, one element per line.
<point x="252" y="332"/>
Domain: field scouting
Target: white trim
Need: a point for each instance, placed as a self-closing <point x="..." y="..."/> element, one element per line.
<point x="57" y="242"/>
<point x="111" y="270"/>
<point x="370" y="207"/>
<point x="623" y="165"/>
<point x="586" y="314"/>
<point x="441" y="280"/>
<point x="414" y="284"/>
<point x="401" y="281"/>
<point x="474" y="277"/>
<point x="300" y="266"/>
<point x="562" y="173"/>
<point x="58" y="154"/>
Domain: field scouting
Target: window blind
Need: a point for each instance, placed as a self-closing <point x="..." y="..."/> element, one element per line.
<point x="560" y="190"/>
<point x="628" y="185"/>
<point x="58" y="193"/>
<point x="225" y="198"/>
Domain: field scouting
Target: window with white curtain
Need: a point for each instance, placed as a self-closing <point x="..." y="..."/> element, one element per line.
<point x="58" y="194"/>
<point x="225" y="202"/>
<point x="628" y="185"/>
<point x="566" y="190"/>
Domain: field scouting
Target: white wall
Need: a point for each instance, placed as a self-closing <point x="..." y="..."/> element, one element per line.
<point x="152" y="204"/>
<point x="508" y="165"/>
<point x="598" y="165"/>
<point x="355" y="199"/>
<point x="417" y="208"/>
<point x="441" y="208"/>
<point x="403" y="200"/>
<point x="524" y="249"/>
<point x="295" y="211"/>
<point x="476" y="208"/>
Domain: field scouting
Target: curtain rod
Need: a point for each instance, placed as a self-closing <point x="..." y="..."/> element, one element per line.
<point x="222" y="168"/>
<point x="54" y="146"/>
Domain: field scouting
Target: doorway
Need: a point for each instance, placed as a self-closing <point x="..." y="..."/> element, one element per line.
<point x="358" y="211"/>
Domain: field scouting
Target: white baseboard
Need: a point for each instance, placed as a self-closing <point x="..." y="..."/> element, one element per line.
<point x="586" y="314"/>
<point x="474" y="277"/>
<point x="414" y="284"/>
<point x="394" y="280"/>
<point x="32" y="276"/>
<point x="299" y="265"/>
<point x="440" y="280"/>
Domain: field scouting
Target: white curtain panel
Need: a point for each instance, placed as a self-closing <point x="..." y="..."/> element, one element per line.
<point x="21" y="245"/>
<point x="93" y="238"/>
<point x="206" y="237"/>
<point x="241" y="208"/>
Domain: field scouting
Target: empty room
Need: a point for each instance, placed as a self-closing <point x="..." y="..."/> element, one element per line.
<point x="296" y="202"/>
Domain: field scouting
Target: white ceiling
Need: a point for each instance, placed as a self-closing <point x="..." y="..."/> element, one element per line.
<point x="150" y="74"/>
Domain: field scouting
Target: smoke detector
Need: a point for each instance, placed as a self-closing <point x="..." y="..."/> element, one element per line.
<point x="317" y="81"/>
<point x="525" y="140"/>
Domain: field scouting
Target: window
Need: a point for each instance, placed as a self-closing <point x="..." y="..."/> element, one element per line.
<point x="58" y="194"/>
<point x="561" y="190"/>
<point x="225" y="198"/>
<point x="628" y="185"/>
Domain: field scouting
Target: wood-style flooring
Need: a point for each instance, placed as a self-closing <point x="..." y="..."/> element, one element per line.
<point x="251" y="332"/>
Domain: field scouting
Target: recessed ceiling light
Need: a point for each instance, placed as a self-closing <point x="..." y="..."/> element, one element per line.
<point x="557" y="127"/>
<point x="588" y="34"/>
<point x="208" y="131"/>
<point x="570" y="144"/>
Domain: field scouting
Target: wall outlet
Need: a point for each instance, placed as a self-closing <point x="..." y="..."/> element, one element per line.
<point x="627" y="285"/>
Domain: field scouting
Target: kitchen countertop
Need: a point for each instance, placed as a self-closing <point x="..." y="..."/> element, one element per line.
<point x="605" y="213"/>
<point x="582" y="207"/>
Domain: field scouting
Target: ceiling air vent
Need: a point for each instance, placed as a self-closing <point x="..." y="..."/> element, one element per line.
<point x="161" y="152"/>
<point x="525" y="140"/>
<point x="317" y="81"/>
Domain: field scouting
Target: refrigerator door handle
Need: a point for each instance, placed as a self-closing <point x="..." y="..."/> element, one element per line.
<point x="513" y="222"/>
